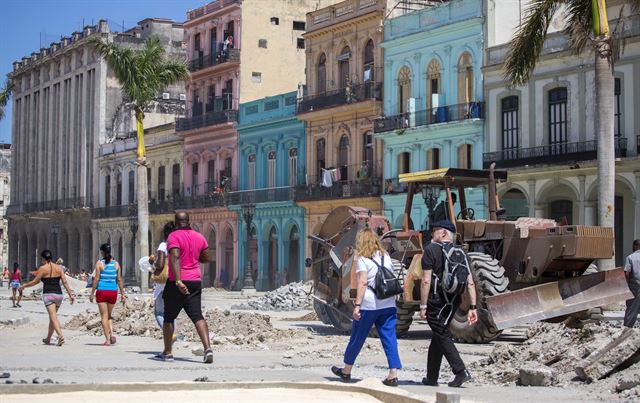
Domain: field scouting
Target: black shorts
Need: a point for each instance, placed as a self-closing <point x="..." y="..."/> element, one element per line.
<point x="175" y="301"/>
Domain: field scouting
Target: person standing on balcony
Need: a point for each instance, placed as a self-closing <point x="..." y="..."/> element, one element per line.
<point x="632" y="273"/>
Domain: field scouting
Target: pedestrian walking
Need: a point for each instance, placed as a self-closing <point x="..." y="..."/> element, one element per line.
<point x="437" y="307"/>
<point x="51" y="275"/>
<point x="160" y="275"/>
<point x="107" y="280"/>
<point x="369" y="310"/>
<point x="632" y="273"/>
<point x="187" y="249"/>
<point x="5" y="275"/>
<point x="14" y="285"/>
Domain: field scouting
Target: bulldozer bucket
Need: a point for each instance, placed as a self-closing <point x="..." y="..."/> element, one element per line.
<point x="549" y="300"/>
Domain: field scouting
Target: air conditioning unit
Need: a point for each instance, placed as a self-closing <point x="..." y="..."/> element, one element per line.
<point x="183" y="97"/>
<point x="166" y="95"/>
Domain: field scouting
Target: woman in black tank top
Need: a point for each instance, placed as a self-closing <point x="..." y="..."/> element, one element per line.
<point x="51" y="275"/>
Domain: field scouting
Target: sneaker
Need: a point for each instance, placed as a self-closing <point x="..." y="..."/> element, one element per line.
<point x="429" y="382"/>
<point x="460" y="378"/>
<point x="208" y="356"/>
<point x="163" y="357"/>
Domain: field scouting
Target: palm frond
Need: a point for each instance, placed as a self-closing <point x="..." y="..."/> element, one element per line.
<point x="172" y="71"/>
<point x="528" y="40"/>
<point x="635" y="5"/>
<point x="5" y="94"/>
<point x="579" y="24"/>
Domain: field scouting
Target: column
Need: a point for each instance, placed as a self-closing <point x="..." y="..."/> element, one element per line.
<point x="532" y="197"/>
<point x="280" y="269"/>
<point x="539" y="211"/>
<point x="590" y="210"/>
<point x="581" y="199"/>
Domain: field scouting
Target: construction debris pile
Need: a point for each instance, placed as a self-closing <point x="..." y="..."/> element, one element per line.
<point x="290" y="297"/>
<point x="136" y="318"/>
<point x="597" y="355"/>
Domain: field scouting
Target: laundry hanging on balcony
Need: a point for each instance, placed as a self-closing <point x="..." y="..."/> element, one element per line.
<point x="327" y="182"/>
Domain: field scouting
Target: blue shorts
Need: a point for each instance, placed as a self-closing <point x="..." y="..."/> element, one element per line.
<point x="15" y="284"/>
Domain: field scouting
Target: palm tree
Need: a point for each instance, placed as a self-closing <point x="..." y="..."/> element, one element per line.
<point x="5" y="94"/>
<point x="142" y="75"/>
<point x="588" y="29"/>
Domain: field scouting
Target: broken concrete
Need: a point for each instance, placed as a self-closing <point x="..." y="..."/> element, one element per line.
<point x="537" y="375"/>
<point x="604" y="361"/>
<point x="290" y="297"/>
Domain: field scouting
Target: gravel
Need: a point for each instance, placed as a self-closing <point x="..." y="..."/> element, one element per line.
<point x="290" y="297"/>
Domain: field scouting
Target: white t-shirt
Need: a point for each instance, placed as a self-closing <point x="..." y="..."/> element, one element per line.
<point x="370" y="302"/>
<point x="158" y="288"/>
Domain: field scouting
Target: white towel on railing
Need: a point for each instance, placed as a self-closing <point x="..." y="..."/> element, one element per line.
<point x="326" y="178"/>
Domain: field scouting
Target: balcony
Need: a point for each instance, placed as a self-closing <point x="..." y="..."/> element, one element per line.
<point x="442" y="114"/>
<point x="206" y="120"/>
<point x="124" y="210"/>
<point x="557" y="154"/>
<point x="47" y="206"/>
<point x="343" y="11"/>
<point x="212" y="7"/>
<point x="368" y="183"/>
<point x="206" y="61"/>
<point x="266" y="195"/>
<point x="368" y="91"/>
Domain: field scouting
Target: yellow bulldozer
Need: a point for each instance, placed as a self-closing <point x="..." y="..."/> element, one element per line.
<point x="525" y="270"/>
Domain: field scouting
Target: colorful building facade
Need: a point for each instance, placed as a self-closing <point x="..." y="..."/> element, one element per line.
<point x="272" y="164"/>
<point x="433" y="100"/>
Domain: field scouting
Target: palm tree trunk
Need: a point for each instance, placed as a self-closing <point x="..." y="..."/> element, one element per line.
<point x="606" y="149"/>
<point x="143" y="199"/>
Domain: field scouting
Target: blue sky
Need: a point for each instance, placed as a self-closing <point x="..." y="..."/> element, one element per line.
<point x="27" y="25"/>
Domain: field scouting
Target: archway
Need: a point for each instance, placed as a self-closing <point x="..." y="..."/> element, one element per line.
<point x="561" y="203"/>
<point x="272" y="259"/>
<point x="23" y="250"/>
<point x="293" y="271"/>
<point x="64" y="246"/>
<point x="515" y="204"/>
<point x="211" y="269"/>
<point x="227" y="269"/>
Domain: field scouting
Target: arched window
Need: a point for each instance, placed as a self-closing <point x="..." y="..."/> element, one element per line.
<point x="321" y="151"/>
<point x="368" y="62"/>
<point x="271" y="169"/>
<point x="251" y="172"/>
<point x="515" y="204"/>
<point x="367" y="143"/>
<point x="464" y="156"/>
<point x="293" y="166"/>
<point x="465" y="79"/>
<point x="404" y="89"/>
<point x="161" y="181"/>
<point x="132" y="187"/>
<point x="433" y="84"/>
<point x="322" y="74"/>
<point x="107" y="190"/>
<point x="119" y="200"/>
<point x="561" y="211"/>
<point x="343" y="66"/>
<point x="343" y="157"/>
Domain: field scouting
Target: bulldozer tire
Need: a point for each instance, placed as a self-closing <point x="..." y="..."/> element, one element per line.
<point x="490" y="280"/>
<point x="321" y="311"/>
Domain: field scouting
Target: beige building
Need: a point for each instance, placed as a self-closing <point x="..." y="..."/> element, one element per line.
<point x="5" y="198"/>
<point x="116" y="222"/>
<point x="66" y="104"/>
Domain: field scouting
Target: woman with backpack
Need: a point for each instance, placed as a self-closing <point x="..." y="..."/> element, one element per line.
<point x="371" y="310"/>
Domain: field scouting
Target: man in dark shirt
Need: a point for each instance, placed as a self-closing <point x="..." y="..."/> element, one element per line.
<point x="434" y="309"/>
<point x="632" y="273"/>
<point x="442" y="210"/>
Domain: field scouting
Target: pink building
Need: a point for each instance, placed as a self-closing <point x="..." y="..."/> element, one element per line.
<point x="239" y="51"/>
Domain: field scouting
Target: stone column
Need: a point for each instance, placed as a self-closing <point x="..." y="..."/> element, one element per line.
<point x="581" y="200"/>
<point x="532" y="197"/>
<point x="590" y="210"/>
<point x="539" y="211"/>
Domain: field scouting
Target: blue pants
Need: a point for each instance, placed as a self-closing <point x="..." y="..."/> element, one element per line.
<point x="385" y="321"/>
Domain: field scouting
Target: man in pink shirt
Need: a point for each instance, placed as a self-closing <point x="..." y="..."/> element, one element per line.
<point x="187" y="249"/>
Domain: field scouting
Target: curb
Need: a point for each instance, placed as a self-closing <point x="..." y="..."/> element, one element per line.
<point x="15" y="322"/>
<point x="386" y="396"/>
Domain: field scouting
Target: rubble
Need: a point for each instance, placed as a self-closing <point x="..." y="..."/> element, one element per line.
<point x="290" y="297"/>
<point x="136" y="317"/>
<point x="553" y="352"/>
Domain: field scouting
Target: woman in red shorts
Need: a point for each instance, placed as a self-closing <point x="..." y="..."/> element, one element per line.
<point x="106" y="282"/>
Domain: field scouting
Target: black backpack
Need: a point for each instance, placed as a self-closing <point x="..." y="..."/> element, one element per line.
<point x="454" y="278"/>
<point x="386" y="283"/>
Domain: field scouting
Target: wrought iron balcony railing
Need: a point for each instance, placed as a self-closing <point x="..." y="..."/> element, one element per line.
<point x="47" y="206"/>
<point x="267" y="195"/>
<point x="441" y="114"/>
<point x="208" y="119"/>
<point x="357" y="93"/>
<point x="340" y="190"/>
<point x="563" y="153"/>
<point x="206" y="61"/>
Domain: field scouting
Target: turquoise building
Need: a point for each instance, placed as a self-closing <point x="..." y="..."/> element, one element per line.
<point x="272" y="155"/>
<point x="433" y="99"/>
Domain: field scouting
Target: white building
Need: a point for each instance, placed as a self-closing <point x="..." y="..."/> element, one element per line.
<point x="543" y="132"/>
<point x="5" y="187"/>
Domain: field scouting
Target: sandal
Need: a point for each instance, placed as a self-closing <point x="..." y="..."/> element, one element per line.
<point x="106" y="343"/>
<point x="46" y="341"/>
<point x="338" y="372"/>
<point x="391" y="382"/>
<point x="60" y="341"/>
<point x="208" y="356"/>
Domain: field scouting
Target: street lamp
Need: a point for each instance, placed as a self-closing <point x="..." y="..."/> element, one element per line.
<point x="248" y="210"/>
<point x="133" y="226"/>
<point x="430" y="195"/>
